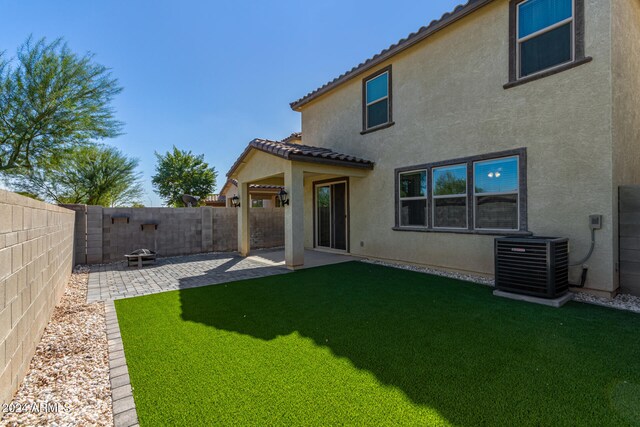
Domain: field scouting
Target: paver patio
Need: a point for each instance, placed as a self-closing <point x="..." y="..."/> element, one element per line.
<point x="115" y="281"/>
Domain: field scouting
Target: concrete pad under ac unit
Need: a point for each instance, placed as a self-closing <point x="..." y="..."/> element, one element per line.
<point x="556" y="302"/>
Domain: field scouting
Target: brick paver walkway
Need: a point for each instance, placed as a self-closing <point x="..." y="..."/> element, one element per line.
<point x="115" y="281"/>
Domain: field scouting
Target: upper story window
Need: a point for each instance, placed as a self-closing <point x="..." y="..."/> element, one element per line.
<point x="545" y="34"/>
<point x="547" y="37"/>
<point x="376" y="100"/>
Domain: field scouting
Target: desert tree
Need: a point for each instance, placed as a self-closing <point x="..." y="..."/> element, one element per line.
<point x="93" y="175"/>
<point x="180" y="172"/>
<point x="52" y="100"/>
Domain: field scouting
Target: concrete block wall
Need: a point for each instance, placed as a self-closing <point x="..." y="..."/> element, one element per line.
<point x="36" y="258"/>
<point x="267" y="227"/>
<point x="94" y="235"/>
<point x="207" y="229"/>
<point x="179" y="231"/>
<point x="105" y="235"/>
<point x="79" y="234"/>
<point x="225" y="229"/>
<point x="629" y="238"/>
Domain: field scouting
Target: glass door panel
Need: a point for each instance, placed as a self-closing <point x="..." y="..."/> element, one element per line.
<point x="339" y="203"/>
<point x="331" y="216"/>
<point x="323" y="206"/>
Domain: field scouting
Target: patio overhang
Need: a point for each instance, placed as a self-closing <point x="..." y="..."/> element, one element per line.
<point x="277" y="163"/>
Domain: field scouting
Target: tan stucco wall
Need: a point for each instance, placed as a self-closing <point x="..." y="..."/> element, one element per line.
<point x="449" y="102"/>
<point x="268" y="196"/>
<point x="228" y="194"/>
<point x="259" y="165"/>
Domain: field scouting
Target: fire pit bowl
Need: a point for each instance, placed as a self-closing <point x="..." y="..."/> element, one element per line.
<point x="141" y="257"/>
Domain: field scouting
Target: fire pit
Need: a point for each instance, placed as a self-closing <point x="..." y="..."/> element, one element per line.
<point x="141" y="257"/>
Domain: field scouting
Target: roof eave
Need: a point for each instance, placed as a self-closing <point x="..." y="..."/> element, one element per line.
<point x="435" y="26"/>
<point x="298" y="158"/>
<point x="227" y="186"/>
<point x="330" y="162"/>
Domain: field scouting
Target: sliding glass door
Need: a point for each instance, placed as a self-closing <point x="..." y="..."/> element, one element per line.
<point x="331" y="215"/>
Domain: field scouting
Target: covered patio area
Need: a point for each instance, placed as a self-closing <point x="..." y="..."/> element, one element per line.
<point x="316" y="183"/>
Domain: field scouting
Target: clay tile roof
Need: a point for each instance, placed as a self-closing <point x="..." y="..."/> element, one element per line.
<point x="436" y="25"/>
<point x="302" y="153"/>
<point x="213" y="198"/>
<point x="257" y="186"/>
<point x="295" y="136"/>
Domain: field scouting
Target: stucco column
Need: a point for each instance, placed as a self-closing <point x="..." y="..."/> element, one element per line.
<point x="294" y="216"/>
<point x="243" y="219"/>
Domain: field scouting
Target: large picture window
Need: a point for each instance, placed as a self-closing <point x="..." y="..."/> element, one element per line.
<point x="377" y="100"/>
<point x="483" y="194"/>
<point x="413" y="199"/>
<point x="547" y="37"/>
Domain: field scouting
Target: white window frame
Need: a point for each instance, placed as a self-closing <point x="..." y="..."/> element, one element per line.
<point x="520" y="40"/>
<point x="475" y="195"/>
<point x="402" y="199"/>
<point x="450" y="196"/>
<point x="367" y="104"/>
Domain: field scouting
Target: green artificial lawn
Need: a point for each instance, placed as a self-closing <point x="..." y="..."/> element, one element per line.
<point x="360" y="344"/>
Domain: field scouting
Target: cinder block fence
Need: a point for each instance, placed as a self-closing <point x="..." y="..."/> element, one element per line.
<point x="40" y="243"/>
<point x="104" y="235"/>
<point x="36" y="254"/>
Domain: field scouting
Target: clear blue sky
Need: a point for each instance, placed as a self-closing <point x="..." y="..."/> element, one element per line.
<point x="209" y="76"/>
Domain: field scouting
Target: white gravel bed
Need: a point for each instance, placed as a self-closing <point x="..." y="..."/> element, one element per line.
<point x="620" y="302"/>
<point x="69" y="373"/>
<point x="460" y="276"/>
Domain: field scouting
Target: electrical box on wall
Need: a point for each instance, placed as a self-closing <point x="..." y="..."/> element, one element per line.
<point x="595" y="222"/>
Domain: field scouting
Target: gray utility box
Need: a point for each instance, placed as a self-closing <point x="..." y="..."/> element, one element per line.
<point x="532" y="265"/>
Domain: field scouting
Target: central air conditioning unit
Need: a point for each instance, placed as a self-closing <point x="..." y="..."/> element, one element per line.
<point x="532" y="265"/>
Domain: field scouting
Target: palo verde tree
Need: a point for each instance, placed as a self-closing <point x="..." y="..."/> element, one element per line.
<point x="181" y="172"/>
<point x="52" y="100"/>
<point x="93" y="175"/>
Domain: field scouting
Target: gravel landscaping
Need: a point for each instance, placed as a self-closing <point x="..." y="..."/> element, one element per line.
<point x="620" y="302"/>
<point x="68" y="380"/>
<point x="452" y="275"/>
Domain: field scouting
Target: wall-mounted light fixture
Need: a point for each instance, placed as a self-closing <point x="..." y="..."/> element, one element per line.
<point x="284" y="197"/>
<point x="235" y="201"/>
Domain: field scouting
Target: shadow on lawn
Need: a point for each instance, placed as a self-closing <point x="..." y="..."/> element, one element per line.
<point x="446" y="344"/>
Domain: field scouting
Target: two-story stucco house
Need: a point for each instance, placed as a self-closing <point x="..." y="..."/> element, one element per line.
<point x="503" y="117"/>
